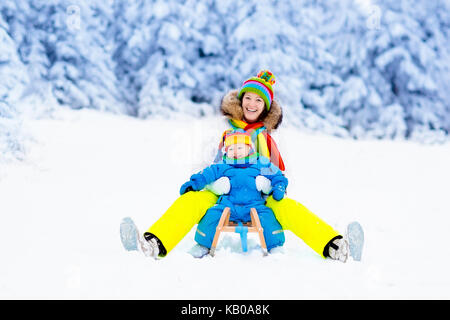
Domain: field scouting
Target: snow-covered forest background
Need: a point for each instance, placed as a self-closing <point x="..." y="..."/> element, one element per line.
<point x="358" y="69"/>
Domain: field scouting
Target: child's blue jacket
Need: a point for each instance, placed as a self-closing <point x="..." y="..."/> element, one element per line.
<point x="242" y="176"/>
<point x="243" y="196"/>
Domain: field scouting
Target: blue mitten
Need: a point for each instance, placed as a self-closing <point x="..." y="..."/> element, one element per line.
<point x="198" y="181"/>
<point x="278" y="191"/>
<point x="186" y="187"/>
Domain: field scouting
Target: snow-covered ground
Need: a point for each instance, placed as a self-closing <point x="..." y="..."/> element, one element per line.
<point x="61" y="209"/>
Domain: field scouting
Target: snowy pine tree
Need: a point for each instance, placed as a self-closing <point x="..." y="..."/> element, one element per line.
<point x="392" y="68"/>
<point x="12" y="85"/>
<point x="349" y="68"/>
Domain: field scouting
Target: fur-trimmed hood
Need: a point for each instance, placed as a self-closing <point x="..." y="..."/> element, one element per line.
<point x="231" y="108"/>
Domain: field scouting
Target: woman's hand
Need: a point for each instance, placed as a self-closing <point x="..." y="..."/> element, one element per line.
<point x="278" y="191"/>
<point x="186" y="187"/>
<point x="196" y="183"/>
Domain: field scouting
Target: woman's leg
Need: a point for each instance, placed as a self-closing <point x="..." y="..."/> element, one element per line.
<point x="182" y="215"/>
<point x="306" y="225"/>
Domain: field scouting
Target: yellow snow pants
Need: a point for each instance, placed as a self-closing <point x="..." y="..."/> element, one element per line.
<point x="189" y="209"/>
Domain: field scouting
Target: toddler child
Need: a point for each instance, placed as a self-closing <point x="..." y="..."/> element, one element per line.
<point x="250" y="175"/>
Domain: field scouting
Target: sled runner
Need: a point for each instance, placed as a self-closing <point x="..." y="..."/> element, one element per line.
<point x="225" y="225"/>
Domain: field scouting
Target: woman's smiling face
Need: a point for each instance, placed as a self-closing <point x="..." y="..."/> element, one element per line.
<point x="253" y="105"/>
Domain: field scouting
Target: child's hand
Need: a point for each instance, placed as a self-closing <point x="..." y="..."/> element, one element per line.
<point x="220" y="186"/>
<point x="263" y="184"/>
<point x="278" y="191"/>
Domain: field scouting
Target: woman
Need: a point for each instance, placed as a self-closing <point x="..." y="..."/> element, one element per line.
<point x="253" y="109"/>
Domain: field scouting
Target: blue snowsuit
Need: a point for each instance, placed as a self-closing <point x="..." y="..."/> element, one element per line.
<point x="242" y="196"/>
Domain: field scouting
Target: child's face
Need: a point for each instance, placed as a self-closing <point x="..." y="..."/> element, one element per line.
<point x="239" y="150"/>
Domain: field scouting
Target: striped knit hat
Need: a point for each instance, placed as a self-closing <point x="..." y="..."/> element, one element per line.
<point x="237" y="137"/>
<point x="261" y="85"/>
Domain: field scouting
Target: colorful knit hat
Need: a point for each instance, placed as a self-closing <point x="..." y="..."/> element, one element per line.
<point x="237" y="137"/>
<point x="261" y="85"/>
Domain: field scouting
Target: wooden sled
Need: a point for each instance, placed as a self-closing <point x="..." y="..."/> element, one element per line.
<point x="225" y="225"/>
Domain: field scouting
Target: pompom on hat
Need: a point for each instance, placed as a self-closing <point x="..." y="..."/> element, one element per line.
<point x="261" y="85"/>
